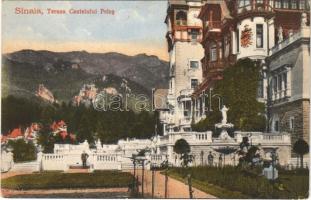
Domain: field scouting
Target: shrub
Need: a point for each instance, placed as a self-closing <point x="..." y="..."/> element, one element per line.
<point x="23" y="151"/>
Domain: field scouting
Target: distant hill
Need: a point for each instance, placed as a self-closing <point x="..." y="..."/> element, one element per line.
<point x="65" y="73"/>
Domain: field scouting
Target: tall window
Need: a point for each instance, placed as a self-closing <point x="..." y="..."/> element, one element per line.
<point x="181" y="18"/>
<point x="194" y="64"/>
<point x="285" y="4"/>
<point x="277" y="4"/>
<point x="243" y="3"/>
<point x="276" y="126"/>
<point x="259" y="36"/>
<point x="293" y="4"/>
<point x="271" y="2"/>
<point x="285" y="83"/>
<point x="213" y="52"/>
<point x="279" y="82"/>
<point x="260" y="89"/>
<point x="291" y="123"/>
<point x="302" y="4"/>
<point x="194" y="83"/>
<point x="275" y="84"/>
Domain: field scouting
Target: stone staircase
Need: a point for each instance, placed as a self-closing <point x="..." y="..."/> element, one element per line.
<point x="26" y="167"/>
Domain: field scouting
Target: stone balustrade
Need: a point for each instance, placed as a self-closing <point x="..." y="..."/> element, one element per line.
<point x="303" y="33"/>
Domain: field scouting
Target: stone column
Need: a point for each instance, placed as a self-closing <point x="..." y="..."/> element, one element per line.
<point x="39" y="160"/>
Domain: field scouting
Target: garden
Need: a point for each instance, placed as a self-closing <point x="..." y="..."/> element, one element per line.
<point x="236" y="182"/>
<point x="59" y="180"/>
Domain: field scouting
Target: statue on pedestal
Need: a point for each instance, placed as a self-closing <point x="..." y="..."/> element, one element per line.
<point x="304" y="20"/>
<point x="224" y="111"/>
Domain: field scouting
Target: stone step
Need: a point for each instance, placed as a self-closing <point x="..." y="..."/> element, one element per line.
<point x="26" y="167"/>
<point x="77" y="170"/>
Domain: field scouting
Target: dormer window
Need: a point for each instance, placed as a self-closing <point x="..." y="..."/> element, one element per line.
<point x="181" y="18"/>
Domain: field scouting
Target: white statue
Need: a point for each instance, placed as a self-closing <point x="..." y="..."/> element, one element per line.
<point x="304" y="20"/>
<point x="224" y="111"/>
<point x="98" y="144"/>
<point x="280" y="34"/>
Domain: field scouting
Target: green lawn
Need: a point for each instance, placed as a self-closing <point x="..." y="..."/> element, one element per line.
<point x="232" y="182"/>
<point x="56" y="180"/>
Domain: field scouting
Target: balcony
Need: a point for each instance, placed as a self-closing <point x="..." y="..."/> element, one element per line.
<point x="290" y="40"/>
<point x="186" y="92"/>
<point x="280" y="96"/>
<point x="253" y="8"/>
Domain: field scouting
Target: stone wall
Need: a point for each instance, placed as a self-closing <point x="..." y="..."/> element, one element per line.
<point x="299" y="110"/>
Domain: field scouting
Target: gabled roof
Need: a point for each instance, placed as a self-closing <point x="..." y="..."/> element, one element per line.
<point x="17" y="132"/>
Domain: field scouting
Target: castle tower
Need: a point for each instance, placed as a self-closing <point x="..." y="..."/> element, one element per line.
<point x="185" y="53"/>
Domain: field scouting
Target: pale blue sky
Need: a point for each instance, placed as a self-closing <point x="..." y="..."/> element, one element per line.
<point x="136" y="27"/>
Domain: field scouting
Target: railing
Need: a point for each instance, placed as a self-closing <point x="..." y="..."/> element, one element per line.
<point x="264" y="138"/>
<point x="273" y="137"/>
<point x="52" y="157"/>
<point x="285" y="43"/>
<point x="186" y="92"/>
<point x="281" y="94"/>
<point x="254" y="7"/>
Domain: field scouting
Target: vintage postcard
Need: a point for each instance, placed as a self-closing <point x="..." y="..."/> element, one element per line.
<point x="155" y="99"/>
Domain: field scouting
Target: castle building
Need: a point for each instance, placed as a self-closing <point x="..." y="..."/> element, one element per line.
<point x="238" y="29"/>
<point x="227" y="31"/>
<point x="289" y="84"/>
<point x="185" y="53"/>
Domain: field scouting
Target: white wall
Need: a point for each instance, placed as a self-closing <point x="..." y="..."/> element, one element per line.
<point x="252" y="51"/>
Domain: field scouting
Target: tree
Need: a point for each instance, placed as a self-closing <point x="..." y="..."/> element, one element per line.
<point x="301" y="147"/>
<point x="23" y="151"/>
<point x="183" y="148"/>
<point x="238" y="91"/>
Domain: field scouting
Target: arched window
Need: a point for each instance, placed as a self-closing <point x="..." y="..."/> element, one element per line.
<point x="181" y="18"/>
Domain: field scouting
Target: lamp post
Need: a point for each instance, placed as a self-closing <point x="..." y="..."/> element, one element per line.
<point x="152" y="189"/>
<point x="141" y="159"/>
<point x="190" y="186"/>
